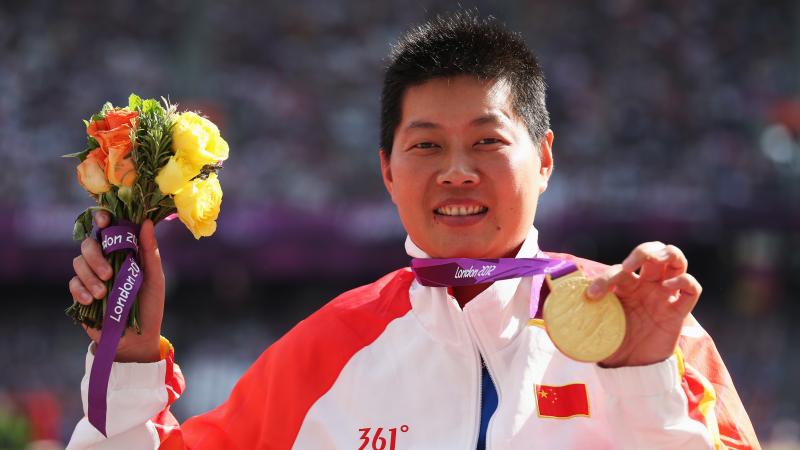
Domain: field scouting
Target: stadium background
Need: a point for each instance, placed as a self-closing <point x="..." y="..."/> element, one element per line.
<point x="674" y="120"/>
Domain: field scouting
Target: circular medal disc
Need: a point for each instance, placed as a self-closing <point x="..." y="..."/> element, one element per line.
<point x="582" y="329"/>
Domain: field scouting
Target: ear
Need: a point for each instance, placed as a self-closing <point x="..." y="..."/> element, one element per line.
<point x="546" y="158"/>
<point x="386" y="170"/>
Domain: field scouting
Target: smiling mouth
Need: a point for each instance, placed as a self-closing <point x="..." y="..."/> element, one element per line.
<point x="455" y="210"/>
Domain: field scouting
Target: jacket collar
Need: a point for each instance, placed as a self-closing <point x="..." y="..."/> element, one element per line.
<point x="497" y="314"/>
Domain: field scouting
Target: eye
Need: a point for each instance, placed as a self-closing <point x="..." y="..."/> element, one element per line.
<point x="424" y="145"/>
<point x="489" y="141"/>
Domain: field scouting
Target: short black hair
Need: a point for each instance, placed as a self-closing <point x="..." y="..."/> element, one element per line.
<point x="461" y="43"/>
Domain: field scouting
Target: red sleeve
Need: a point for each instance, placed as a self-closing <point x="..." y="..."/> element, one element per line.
<point x="269" y="403"/>
<point x="164" y="421"/>
<point x="708" y="386"/>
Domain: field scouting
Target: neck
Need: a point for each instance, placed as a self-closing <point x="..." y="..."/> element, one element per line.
<point x="464" y="294"/>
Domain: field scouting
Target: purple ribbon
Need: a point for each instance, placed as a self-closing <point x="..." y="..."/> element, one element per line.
<point x="121" y="237"/>
<point x="447" y="272"/>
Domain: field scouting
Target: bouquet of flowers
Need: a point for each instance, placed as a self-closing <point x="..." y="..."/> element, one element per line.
<point x="146" y="161"/>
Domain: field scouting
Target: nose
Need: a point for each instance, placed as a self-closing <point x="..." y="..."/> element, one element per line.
<point x="459" y="170"/>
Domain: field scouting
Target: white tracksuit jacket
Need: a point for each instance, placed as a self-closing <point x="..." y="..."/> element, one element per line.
<point x="395" y="365"/>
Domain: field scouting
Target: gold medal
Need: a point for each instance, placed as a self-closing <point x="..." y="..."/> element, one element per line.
<point x="582" y="329"/>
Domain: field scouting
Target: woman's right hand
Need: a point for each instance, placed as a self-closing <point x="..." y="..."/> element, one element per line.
<point x="88" y="285"/>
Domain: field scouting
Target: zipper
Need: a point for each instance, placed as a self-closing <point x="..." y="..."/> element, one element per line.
<point x="478" y="409"/>
<point x="481" y="357"/>
<point x="477" y="355"/>
<point x="478" y="352"/>
<point x="491" y="418"/>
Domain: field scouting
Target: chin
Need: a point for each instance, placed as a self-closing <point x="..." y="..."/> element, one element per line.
<point x="461" y="249"/>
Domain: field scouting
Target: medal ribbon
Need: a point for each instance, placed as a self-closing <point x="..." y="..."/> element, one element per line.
<point x="121" y="237"/>
<point x="447" y="272"/>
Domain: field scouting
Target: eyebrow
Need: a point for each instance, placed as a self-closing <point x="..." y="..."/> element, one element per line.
<point x="421" y="124"/>
<point x="491" y="119"/>
<point x="488" y="119"/>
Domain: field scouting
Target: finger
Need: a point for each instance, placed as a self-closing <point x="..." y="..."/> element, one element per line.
<point x="152" y="294"/>
<point x="102" y="219"/>
<point x="651" y="259"/>
<point x="653" y="268"/>
<point x="93" y="254"/>
<point x="79" y="292"/>
<point x="689" y="291"/>
<point x="677" y="263"/>
<point x="641" y="254"/>
<point x="94" y="333"/>
<point x="88" y="277"/>
<point x="666" y="263"/>
<point x="615" y="278"/>
<point x="151" y="258"/>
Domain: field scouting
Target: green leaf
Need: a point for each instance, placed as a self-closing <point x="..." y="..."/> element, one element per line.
<point x="155" y="197"/>
<point x="111" y="200"/>
<point x="107" y="106"/>
<point x="167" y="202"/>
<point x="79" y="231"/>
<point x="101" y="208"/>
<point x="150" y="106"/>
<point x="81" y="155"/>
<point x="87" y="221"/>
<point x="126" y="195"/>
<point x="83" y="225"/>
<point x="134" y="102"/>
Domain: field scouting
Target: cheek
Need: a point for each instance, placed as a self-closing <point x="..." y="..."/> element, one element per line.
<point x="408" y="187"/>
<point x="516" y="181"/>
<point x="514" y="177"/>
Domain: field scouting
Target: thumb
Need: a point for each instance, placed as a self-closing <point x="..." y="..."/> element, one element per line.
<point x="148" y="249"/>
<point x="102" y="219"/>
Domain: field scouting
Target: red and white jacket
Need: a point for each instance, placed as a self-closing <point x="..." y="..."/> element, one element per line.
<point x="395" y="365"/>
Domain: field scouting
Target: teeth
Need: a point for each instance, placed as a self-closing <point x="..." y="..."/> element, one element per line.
<point x="453" y="210"/>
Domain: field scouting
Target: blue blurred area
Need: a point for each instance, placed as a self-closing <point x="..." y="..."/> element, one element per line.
<point x="674" y="120"/>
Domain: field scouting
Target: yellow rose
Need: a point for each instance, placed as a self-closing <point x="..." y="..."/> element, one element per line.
<point x="91" y="173"/>
<point x="174" y="175"/>
<point x="198" y="205"/>
<point x="196" y="140"/>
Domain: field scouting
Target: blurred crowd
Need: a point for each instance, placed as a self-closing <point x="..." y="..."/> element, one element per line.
<point x="677" y="115"/>
<point x="686" y="103"/>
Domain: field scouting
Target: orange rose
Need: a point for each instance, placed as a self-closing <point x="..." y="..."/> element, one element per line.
<point x="91" y="172"/>
<point x="120" y="166"/>
<point x="113" y="119"/>
<point x="96" y="126"/>
<point x="120" y="169"/>
<point x="119" y="117"/>
<point x="114" y="129"/>
<point x="119" y="137"/>
<point x="113" y="134"/>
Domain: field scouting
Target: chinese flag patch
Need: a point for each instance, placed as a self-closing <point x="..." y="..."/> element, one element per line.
<point x="562" y="401"/>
